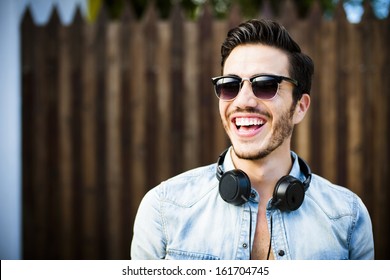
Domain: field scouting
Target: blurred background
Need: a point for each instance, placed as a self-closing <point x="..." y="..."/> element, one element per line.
<point x="102" y="100"/>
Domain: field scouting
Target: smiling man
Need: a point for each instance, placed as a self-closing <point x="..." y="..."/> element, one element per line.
<point x="260" y="200"/>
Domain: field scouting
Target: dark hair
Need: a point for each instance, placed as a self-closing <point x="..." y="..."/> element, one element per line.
<point x="273" y="34"/>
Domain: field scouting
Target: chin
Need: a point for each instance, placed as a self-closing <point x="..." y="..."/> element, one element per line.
<point x="249" y="153"/>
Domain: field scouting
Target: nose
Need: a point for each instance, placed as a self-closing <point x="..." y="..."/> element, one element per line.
<point x="245" y="97"/>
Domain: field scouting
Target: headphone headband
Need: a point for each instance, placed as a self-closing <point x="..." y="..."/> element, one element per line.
<point x="220" y="161"/>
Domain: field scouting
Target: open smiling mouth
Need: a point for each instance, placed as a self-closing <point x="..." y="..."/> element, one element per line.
<point x="248" y="124"/>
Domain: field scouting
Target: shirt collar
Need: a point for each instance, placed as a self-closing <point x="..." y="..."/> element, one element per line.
<point x="295" y="170"/>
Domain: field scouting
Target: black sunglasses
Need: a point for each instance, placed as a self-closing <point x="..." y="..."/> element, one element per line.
<point x="263" y="86"/>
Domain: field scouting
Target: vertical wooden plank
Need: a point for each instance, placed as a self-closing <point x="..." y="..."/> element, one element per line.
<point x="206" y="103"/>
<point x="151" y="98"/>
<point x="266" y="10"/>
<point x="193" y="138"/>
<point x="288" y="14"/>
<point x="327" y="99"/>
<point x="385" y="35"/>
<point x="45" y="142"/>
<point x="127" y="219"/>
<point x="89" y="217"/>
<point x="51" y="138"/>
<point x="314" y="51"/>
<point x="380" y="148"/>
<point x="164" y="91"/>
<point x="65" y="112"/>
<point x="381" y="97"/>
<point x="40" y="108"/>
<point x="341" y="95"/>
<point x="234" y="18"/>
<point x="28" y="95"/>
<point x="100" y="136"/>
<point x="354" y="111"/>
<point x="113" y="139"/>
<point x="177" y="86"/>
<point x="138" y="112"/>
<point x="368" y="109"/>
<point x="76" y="130"/>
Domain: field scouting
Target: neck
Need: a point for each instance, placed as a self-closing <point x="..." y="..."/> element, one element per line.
<point x="264" y="173"/>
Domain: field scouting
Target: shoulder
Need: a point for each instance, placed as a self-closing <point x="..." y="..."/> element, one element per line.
<point x="334" y="200"/>
<point x="189" y="187"/>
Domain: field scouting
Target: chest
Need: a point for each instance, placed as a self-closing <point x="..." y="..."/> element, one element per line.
<point x="262" y="239"/>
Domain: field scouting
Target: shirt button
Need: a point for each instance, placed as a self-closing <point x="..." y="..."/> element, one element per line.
<point x="253" y="195"/>
<point x="244" y="245"/>
<point x="281" y="253"/>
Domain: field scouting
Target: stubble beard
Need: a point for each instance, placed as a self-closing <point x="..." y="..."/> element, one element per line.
<point x="283" y="130"/>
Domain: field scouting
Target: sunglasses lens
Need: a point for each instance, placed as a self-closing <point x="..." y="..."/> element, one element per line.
<point x="265" y="87"/>
<point x="227" y="88"/>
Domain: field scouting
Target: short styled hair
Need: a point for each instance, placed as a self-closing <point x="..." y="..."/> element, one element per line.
<point x="271" y="33"/>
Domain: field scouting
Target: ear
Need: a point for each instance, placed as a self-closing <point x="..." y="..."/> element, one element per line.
<point x="301" y="108"/>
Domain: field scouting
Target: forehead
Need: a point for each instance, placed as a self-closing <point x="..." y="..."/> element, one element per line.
<point x="251" y="59"/>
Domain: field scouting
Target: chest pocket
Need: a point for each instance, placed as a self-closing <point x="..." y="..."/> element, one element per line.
<point x="173" y="254"/>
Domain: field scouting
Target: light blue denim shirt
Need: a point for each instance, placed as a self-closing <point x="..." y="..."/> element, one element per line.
<point x="185" y="218"/>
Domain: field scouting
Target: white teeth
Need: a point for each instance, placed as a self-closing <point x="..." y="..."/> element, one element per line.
<point x="248" y="121"/>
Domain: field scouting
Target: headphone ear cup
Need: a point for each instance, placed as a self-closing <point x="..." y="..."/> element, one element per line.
<point x="288" y="194"/>
<point x="235" y="187"/>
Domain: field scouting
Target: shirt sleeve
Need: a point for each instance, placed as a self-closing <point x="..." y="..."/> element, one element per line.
<point x="361" y="235"/>
<point x="148" y="240"/>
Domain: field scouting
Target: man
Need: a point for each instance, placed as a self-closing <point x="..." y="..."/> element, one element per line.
<point x="260" y="201"/>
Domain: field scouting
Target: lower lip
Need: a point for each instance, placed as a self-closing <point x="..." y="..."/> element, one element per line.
<point x="250" y="132"/>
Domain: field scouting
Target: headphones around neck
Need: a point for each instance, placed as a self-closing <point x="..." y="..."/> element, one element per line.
<point x="289" y="192"/>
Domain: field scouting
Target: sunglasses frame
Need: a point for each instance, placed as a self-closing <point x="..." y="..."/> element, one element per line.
<point x="277" y="78"/>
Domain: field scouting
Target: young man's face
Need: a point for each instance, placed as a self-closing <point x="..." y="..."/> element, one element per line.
<point x="258" y="127"/>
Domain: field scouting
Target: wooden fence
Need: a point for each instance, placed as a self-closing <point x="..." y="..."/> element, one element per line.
<point x="110" y="109"/>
